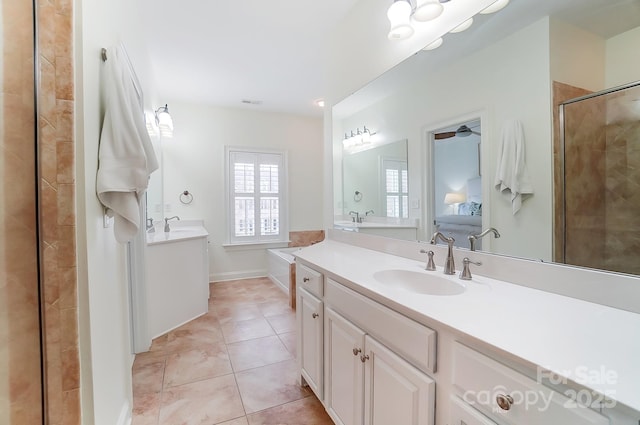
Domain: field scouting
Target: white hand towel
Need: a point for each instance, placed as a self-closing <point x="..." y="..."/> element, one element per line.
<point x="126" y="156"/>
<point x="511" y="173"/>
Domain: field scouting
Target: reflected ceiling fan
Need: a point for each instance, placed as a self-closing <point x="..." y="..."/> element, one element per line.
<point x="462" y="131"/>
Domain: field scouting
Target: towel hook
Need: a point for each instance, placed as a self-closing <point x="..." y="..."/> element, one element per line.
<point x="103" y="53"/>
<point x="186" y="197"/>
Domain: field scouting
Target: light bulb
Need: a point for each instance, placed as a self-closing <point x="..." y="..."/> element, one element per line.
<point x="426" y="10"/>
<point x="399" y="15"/>
<point x="366" y="135"/>
<point x="463" y="26"/>
<point x="434" y="45"/>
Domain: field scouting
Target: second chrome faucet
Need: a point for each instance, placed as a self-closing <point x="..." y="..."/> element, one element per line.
<point x="449" y="265"/>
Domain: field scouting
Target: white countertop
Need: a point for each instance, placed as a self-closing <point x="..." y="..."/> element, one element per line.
<point x="373" y="225"/>
<point x="560" y="334"/>
<point x="177" y="233"/>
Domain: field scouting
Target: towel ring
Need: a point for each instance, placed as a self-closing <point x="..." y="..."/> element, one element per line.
<point x="186" y="197"/>
<point x="357" y="196"/>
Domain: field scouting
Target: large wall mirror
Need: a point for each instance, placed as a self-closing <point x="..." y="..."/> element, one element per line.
<point x="515" y="66"/>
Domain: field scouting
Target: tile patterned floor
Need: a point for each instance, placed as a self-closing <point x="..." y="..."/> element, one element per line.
<point x="233" y="366"/>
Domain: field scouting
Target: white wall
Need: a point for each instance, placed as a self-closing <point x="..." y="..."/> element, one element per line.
<point x="102" y="285"/>
<point x="622" y="58"/>
<point x="517" y="88"/>
<point x="577" y="56"/>
<point x="194" y="160"/>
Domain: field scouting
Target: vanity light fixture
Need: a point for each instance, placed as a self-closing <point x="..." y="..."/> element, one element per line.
<point x="164" y="121"/>
<point x="426" y="10"/>
<point x="405" y="15"/>
<point x="357" y="139"/>
<point x="399" y="14"/>
<point x="402" y="14"/>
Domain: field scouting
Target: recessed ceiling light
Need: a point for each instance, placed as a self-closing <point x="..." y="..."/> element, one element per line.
<point x="320" y="103"/>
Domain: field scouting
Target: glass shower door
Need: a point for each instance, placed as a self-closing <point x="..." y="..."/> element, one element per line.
<point x="602" y="180"/>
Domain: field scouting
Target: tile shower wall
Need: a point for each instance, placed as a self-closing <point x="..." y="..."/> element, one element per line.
<point x="20" y="354"/>
<point x="602" y="160"/>
<point x="57" y="192"/>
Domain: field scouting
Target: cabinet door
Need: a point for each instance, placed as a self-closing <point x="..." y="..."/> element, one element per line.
<point x="310" y="337"/>
<point x="344" y="381"/>
<point x="395" y="392"/>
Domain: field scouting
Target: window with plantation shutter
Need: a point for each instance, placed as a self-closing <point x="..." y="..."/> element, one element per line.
<point x="396" y="188"/>
<point x="257" y="196"/>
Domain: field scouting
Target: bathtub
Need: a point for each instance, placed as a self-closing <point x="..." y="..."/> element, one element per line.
<point x="282" y="270"/>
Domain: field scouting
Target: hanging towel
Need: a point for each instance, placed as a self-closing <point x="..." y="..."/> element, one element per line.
<point x="512" y="174"/>
<point x="126" y="157"/>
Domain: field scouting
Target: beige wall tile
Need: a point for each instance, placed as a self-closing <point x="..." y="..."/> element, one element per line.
<point x="66" y="205"/>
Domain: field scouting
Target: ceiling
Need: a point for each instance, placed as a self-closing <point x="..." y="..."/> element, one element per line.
<point x="223" y="52"/>
<point x="226" y="52"/>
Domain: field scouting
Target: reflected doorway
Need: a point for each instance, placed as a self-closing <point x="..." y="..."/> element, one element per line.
<point x="457" y="181"/>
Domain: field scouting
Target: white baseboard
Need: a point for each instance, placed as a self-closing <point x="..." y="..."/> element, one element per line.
<point x="236" y="275"/>
<point x="125" y="414"/>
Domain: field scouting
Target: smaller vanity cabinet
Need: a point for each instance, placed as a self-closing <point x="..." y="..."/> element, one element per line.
<point x="365" y="381"/>
<point x="310" y="319"/>
<point x="508" y="397"/>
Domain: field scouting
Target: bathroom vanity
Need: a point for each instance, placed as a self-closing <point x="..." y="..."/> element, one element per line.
<point x="376" y="345"/>
<point x="177" y="276"/>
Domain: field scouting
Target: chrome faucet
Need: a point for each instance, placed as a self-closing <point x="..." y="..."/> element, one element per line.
<point x="369" y="212"/>
<point x="474" y="238"/>
<point x="166" y="223"/>
<point x="150" y="227"/>
<point x="355" y="216"/>
<point x="449" y="265"/>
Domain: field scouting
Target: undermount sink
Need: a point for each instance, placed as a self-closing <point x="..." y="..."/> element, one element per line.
<point x="419" y="282"/>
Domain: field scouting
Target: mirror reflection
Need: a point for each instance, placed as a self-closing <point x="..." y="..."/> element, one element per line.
<point x="457" y="191"/>
<point x="564" y="49"/>
<point x="376" y="182"/>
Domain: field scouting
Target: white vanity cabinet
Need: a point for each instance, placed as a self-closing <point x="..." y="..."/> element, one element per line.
<point x="366" y="381"/>
<point x="376" y="361"/>
<point x="512" y="398"/>
<point x="310" y="317"/>
<point x="344" y="391"/>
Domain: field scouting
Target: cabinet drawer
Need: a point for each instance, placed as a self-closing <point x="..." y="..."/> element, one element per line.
<point x="481" y="381"/>
<point x="309" y="279"/>
<point x="412" y="341"/>
<point x="463" y="414"/>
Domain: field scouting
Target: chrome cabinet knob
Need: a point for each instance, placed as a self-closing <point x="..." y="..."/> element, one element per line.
<point x="315" y="315"/>
<point x="305" y="279"/>
<point x="356" y="351"/>
<point x="504" y="401"/>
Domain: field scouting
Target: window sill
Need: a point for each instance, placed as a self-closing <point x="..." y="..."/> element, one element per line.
<point x="254" y="245"/>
